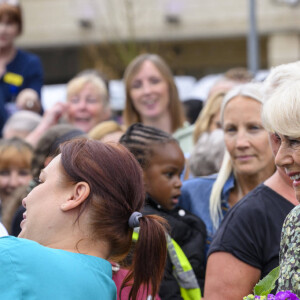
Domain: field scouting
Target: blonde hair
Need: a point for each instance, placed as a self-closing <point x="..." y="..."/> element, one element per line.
<point x="216" y="192"/>
<point x="104" y="128"/>
<point x="281" y="111"/>
<point x="130" y="114"/>
<point x="76" y="84"/>
<point x="253" y="91"/>
<point x="210" y="109"/>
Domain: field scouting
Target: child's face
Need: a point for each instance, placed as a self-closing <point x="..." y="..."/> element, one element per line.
<point x="162" y="176"/>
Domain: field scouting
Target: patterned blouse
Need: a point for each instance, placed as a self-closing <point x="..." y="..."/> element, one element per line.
<point x="289" y="277"/>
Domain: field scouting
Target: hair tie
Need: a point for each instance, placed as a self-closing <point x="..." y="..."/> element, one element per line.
<point x="134" y="219"/>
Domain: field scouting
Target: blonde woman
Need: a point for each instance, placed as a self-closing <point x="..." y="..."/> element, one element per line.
<point x="209" y="117"/>
<point x="248" y="160"/>
<point x="208" y="151"/>
<point x="281" y="118"/>
<point x="246" y="245"/>
<point x="87" y="105"/>
<point x="87" y="99"/>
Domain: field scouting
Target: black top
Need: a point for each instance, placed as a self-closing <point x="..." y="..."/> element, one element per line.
<point x="190" y="234"/>
<point x="252" y="228"/>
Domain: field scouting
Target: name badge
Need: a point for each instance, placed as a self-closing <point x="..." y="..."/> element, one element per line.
<point x="13" y="79"/>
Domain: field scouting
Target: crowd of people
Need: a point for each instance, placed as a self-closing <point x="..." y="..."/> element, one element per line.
<point x="149" y="205"/>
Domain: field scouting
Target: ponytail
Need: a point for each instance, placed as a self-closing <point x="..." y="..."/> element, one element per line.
<point x="149" y="257"/>
<point x="117" y="195"/>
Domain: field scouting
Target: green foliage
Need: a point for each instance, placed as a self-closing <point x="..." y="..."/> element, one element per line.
<point x="267" y="284"/>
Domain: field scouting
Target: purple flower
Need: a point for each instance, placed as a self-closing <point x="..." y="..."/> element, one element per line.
<point x="283" y="295"/>
<point x="286" y="295"/>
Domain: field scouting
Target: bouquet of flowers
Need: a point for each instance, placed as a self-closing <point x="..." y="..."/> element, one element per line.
<point x="264" y="287"/>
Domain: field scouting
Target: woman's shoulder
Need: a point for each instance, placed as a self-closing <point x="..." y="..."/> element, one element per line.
<point x="259" y="212"/>
<point x="25" y="58"/>
<point x="200" y="181"/>
<point x="262" y="201"/>
<point x="11" y="243"/>
<point x="295" y="213"/>
<point x="198" y="185"/>
<point x="17" y="248"/>
<point x="26" y="55"/>
<point x="196" y="188"/>
<point x="31" y="269"/>
<point x="31" y="253"/>
<point x="292" y="222"/>
<point x="290" y="253"/>
<point x="290" y="230"/>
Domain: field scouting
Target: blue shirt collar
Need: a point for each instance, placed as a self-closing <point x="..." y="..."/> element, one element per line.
<point x="228" y="186"/>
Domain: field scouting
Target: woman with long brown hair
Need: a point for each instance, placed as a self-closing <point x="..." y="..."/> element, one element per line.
<point x="151" y="94"/>
<point x="152" y="99"/>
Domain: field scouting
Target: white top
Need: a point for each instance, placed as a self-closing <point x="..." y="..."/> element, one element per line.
<point x="3" y="231"/>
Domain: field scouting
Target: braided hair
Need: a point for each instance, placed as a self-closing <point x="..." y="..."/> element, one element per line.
<point x="139" y="140"/>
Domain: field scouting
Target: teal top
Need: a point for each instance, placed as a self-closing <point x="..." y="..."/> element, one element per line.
<point x="31" y="271"/>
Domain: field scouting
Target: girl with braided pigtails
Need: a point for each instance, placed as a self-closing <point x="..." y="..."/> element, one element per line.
<point x="162" y="162"/>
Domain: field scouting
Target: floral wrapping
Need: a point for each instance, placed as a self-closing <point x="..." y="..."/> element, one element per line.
<point x="289" y="277"/>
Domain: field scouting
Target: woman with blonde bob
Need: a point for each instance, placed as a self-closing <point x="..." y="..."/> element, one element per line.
<point x="87" y="105"/>
<point x="246" y="245"/>
<point x="151" y="94"/>
<point x="247" y="162"/>
<point x="87" y="99"/>
<point x="281" y="117"/>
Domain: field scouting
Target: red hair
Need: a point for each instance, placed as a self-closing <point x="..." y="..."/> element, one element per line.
<point x="116" y="191"/>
